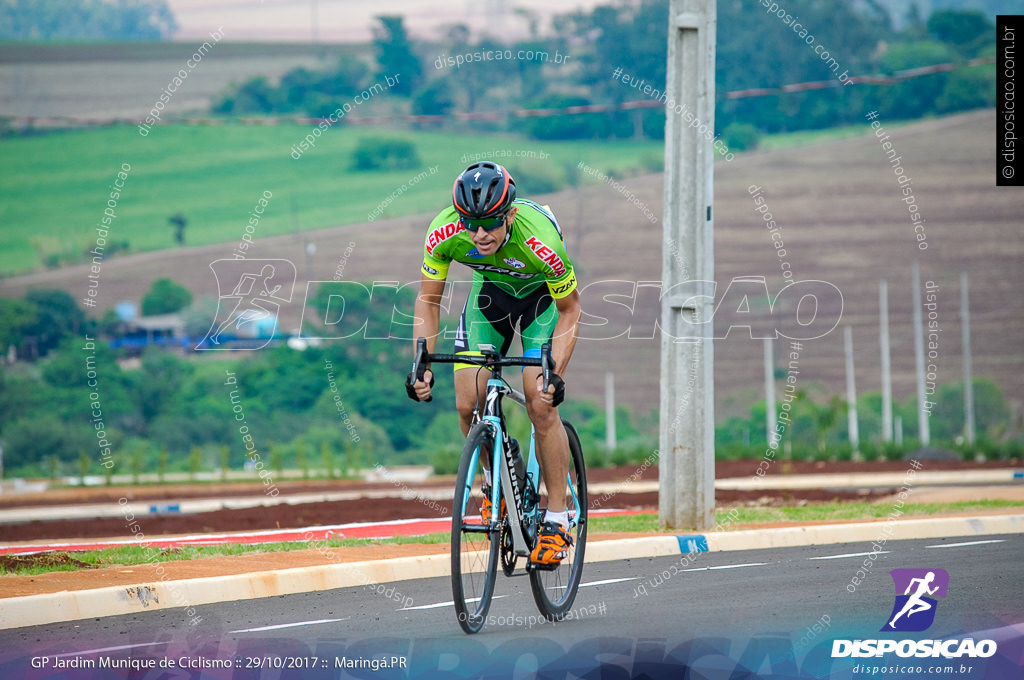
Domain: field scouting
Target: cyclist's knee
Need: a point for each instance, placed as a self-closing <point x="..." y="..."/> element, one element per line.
<point x="541" y="415"/>
<point x="464" y="405"/>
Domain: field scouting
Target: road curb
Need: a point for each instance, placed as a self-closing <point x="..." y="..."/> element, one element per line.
<point x="36" y="610"/>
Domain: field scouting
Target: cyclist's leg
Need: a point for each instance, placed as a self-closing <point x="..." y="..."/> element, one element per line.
<point x="483" y="320"/>
<point x="537" y="324"/>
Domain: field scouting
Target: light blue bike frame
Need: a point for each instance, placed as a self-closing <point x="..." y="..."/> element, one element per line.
<point x="504" y="480"/>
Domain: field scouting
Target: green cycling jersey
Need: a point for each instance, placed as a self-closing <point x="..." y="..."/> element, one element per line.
<point x="533" y="252"/>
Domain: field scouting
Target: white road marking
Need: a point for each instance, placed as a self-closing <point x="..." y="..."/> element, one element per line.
<point x="607" y="581"/>
<point x="289" y="625"/>
<point x="838" y="557"/>
<point x="728" y="566"/>
<point x="560" y="586"/>
<point x="959" y="545"/>
<point x="445" y="604"/>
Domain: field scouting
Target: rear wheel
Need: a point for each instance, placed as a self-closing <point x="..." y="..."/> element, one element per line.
<point x="474" y="544"/>
<point x="554" y="591"/>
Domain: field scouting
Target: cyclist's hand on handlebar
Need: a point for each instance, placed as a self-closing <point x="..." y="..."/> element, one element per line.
<point x="556" y="389"/>
<point x="419" y="390"/>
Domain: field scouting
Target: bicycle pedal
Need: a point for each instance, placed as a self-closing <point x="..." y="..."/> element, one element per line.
<point x="532" y="566"/>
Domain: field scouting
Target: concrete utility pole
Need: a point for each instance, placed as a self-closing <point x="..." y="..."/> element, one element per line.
<point x="883" y="311"/>
<point x="923" y="431"/>
<point x="769" y="390"/>
<point x="851" y="391"/>
<point x="686" y="475"/>
<point x="609" y="411"/>
<point x="965" y="321"/>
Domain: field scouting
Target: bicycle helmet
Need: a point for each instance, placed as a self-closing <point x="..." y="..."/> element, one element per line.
<point x="483" y="190"/>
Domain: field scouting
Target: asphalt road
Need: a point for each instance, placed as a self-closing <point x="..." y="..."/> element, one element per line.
<point x="774" y="612"/>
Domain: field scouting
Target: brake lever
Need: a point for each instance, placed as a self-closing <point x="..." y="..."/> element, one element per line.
<point x="419" y="364"/>
<point x="546" y="364"/>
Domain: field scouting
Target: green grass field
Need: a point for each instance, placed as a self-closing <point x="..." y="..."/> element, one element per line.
<point x="55" y="187"/>
<point x="814" y="512"/>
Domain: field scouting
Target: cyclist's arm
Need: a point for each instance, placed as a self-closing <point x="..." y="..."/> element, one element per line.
<point x="566" y="328"/>
<point x="425" y="325"/>
<point x="428" y="310"/>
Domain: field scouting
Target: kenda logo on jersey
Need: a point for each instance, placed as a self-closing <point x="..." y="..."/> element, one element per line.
<point x="914" y="610"/>
<point x="443" y="234"/>
<point x="547" y="255"/>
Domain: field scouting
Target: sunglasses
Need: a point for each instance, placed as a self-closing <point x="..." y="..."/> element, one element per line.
<point x="489" y="224"/>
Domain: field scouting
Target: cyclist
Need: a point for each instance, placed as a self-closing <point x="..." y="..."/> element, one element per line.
<point x="521" y="276"/>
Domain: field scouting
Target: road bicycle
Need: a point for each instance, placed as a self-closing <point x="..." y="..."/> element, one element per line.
<point x="479" y="542"/>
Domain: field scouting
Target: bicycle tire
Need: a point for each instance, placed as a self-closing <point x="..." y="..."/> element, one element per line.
<point x="474" y="551"/>
<point x="554" y="591"/>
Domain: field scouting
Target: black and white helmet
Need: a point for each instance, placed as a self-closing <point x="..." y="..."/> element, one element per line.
<point x="483" y="190"/>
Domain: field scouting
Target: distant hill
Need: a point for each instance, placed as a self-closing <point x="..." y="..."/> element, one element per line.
<point x="125" y="79"/>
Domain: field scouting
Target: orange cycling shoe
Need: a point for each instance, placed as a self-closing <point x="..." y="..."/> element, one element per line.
<point x="552" y="546"/>
<point x="485" y="510"/>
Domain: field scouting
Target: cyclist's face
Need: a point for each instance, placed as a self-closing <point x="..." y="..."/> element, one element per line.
<point x="488" y="242"/>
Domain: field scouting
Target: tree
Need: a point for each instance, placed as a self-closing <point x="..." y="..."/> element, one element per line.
<point x="964" y="29"/>
<point x="276" y="458"/>
<point x="531" y="78"/>
<point x="57" y="316"/>
<point x="86" y="20"/>
<point x="165" y="297"/>
<point x="179" y="222"/>
<point x="385" y="153"/>
<point x="300" y="460"/>
<point x="161" y="463"/>
<point x="110" y="324"/>
<point x="328" y="458"/>
<point x="395" y="55"/>
<point x="826" y="417"/>
<point x="296" y="87"/>
<point x="195" y="461"/>
<point x="348" y="76"/>
<point x="630" y="36"/>
<point x="914" y="97"/>
<point x="990" y="409"/>
<point x="969" y="88"/>
<point x="16" y="317"/>
<point x="162" y="376"/>
<point x="434" y="99"/>
<point x="574" y="125"/>
<point x="255" y="95"/>
<point x="225" y="462"/>
<point x="83" y="466"/>
<point x="913" y="23"/>
<point x="135" y="462"/>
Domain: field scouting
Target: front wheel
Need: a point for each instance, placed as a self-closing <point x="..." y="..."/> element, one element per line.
<point x="474" y="543"/>
<point x="554" y="591"/>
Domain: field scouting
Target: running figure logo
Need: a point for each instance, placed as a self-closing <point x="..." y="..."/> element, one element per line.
<point x="914" y="609"/>
<point x="258" y="287"/>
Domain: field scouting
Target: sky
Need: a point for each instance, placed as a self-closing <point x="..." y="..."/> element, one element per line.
<point x="351" y="20"/>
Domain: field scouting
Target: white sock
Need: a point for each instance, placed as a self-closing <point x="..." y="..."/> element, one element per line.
<point x="487" y="476"/>
<point x="562" y="518"/>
